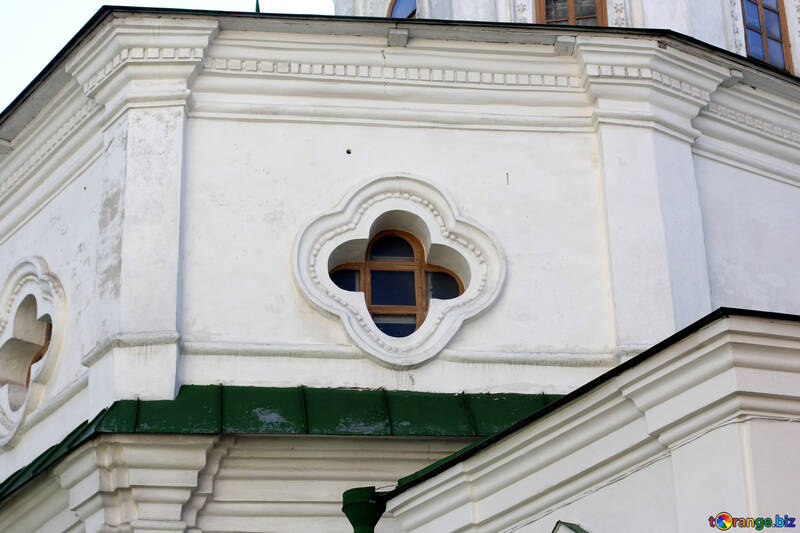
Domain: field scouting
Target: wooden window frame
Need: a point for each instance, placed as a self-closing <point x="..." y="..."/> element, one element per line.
<point x="541" y="13"/>
<point x="48" y="333"/>
<point x="787" y="55"/>
<point x="416" y="265"/>
<point x="413" y="14"/>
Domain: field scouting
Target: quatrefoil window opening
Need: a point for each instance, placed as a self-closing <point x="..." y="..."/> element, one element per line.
<point x="27" y="346"/>
<point x="397" y="282"/>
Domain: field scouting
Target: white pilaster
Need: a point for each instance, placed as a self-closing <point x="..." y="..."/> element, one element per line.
<point x="140" y="71"/>
<point x="644" y="105"/>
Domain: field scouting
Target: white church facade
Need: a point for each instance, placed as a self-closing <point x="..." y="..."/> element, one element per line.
<point x="250" y="261"/>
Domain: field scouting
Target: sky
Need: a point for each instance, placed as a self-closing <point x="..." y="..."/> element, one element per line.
<point x="33" y="31"/>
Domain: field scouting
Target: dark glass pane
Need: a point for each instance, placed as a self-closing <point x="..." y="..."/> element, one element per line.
<point x="392" y="248"/>
<point x="392" y="287"/>
<point x="556" y="9"/>
<point x="770" y="3"/>
<point x="346" y="279"/>
<point x="442" y="286"/>
<point x="755" y="48"/>
<point x="396" y="325"/>
<point x="585" y="7"/>
<point x="403" y="8"/>
<point x="772" y="23"/>
<point x="751" y="15"/>
<point x="561" y="22"/>
<point x="590" y="21"/>
<point x="776" y="53"/>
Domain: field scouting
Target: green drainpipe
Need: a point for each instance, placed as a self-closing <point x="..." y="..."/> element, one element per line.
<point x="363" y="508"/>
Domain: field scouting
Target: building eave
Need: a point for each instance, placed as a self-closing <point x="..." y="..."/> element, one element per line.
<point x="222" y="410"/>
<point x="44" y="86"/>
<point x="460" y="456"/>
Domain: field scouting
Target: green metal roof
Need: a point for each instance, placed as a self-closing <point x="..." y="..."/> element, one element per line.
<point x="218" y="409"/>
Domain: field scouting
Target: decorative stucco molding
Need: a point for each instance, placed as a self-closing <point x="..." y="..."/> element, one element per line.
<point x="753" y="123"/>
<point x="53" y="143"/>
<point x="659" y="79"/>
<point x="736" y="26"/>
<point x="30" y="293"/>
<point x="422" y="75"/>
<point x="619" y="13"/>
<point x="141" y="55"/>
<point x="421" y="208"/>
<point x="523" y="11"/>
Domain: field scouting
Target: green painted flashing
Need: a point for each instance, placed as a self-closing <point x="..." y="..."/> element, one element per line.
<point x="78" y="436"/>
<point x="507" y="409"/>
<point x="221" y="409"/>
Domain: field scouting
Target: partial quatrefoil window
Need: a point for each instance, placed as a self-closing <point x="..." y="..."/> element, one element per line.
<point x="397" y="282"/>
<point x="27" y="345"/>
<point x="31" y="333"/>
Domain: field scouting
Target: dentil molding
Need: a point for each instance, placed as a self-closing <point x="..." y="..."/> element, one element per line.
<point x="411" y="204"/>
<point x="30" y="293"/>
<point x="370" y="72"/>
<point x="48" y="147"/>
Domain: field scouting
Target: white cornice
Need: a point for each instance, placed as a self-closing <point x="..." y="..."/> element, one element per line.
<point x="47" y="148"/>
<point x="141" y="61"/>
<point x="336" y="351"/>
<point x="753" y="124"/>
<point x="729" y="372"/>
<point x="747" y="160"/>
<point x="442" y="76"/>
<point x="641" y="83"/>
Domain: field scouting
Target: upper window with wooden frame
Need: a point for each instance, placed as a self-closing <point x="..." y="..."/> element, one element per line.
<point x="766" y="33"/>
<point x="402" y="9"/>
<point x="574" y="12"/>
<point x="397" y="282"/>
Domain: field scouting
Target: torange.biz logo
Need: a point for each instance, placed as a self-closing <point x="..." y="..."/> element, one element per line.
<point x="726" y="521"/>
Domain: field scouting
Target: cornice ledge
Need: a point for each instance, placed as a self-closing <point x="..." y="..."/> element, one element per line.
<point x="648" y="84"/>
<point x="607" y="430"/>
<point x="129" y="340"/>
<point x="716" y="375"/>
<point x="457" y="76"/>
<point x="438" y="496"/>
<point x="54" y="142"/>
<point x="575" y="121"/>
<point x="752" y="124"/>
<point x="100" y="489"/>
<point x="163" y="52"/>
<point x="746" y="159"/>
<point x="622" y="75"/>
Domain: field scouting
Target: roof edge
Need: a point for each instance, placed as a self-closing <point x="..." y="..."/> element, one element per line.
<point x="24" y="99"/>
<point x="440" y="466"/>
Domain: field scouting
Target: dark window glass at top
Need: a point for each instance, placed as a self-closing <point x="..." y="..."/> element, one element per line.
<point x="397" y="282"/>
<point x="391" y="248"/>
<point x="346" y="279"/>
<point x="765" y="32"/>
<point x="442" y="286"/>
<point x="403" y="9"/>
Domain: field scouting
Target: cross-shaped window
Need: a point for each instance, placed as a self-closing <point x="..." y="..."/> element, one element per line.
<point x="397" y="282"/>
